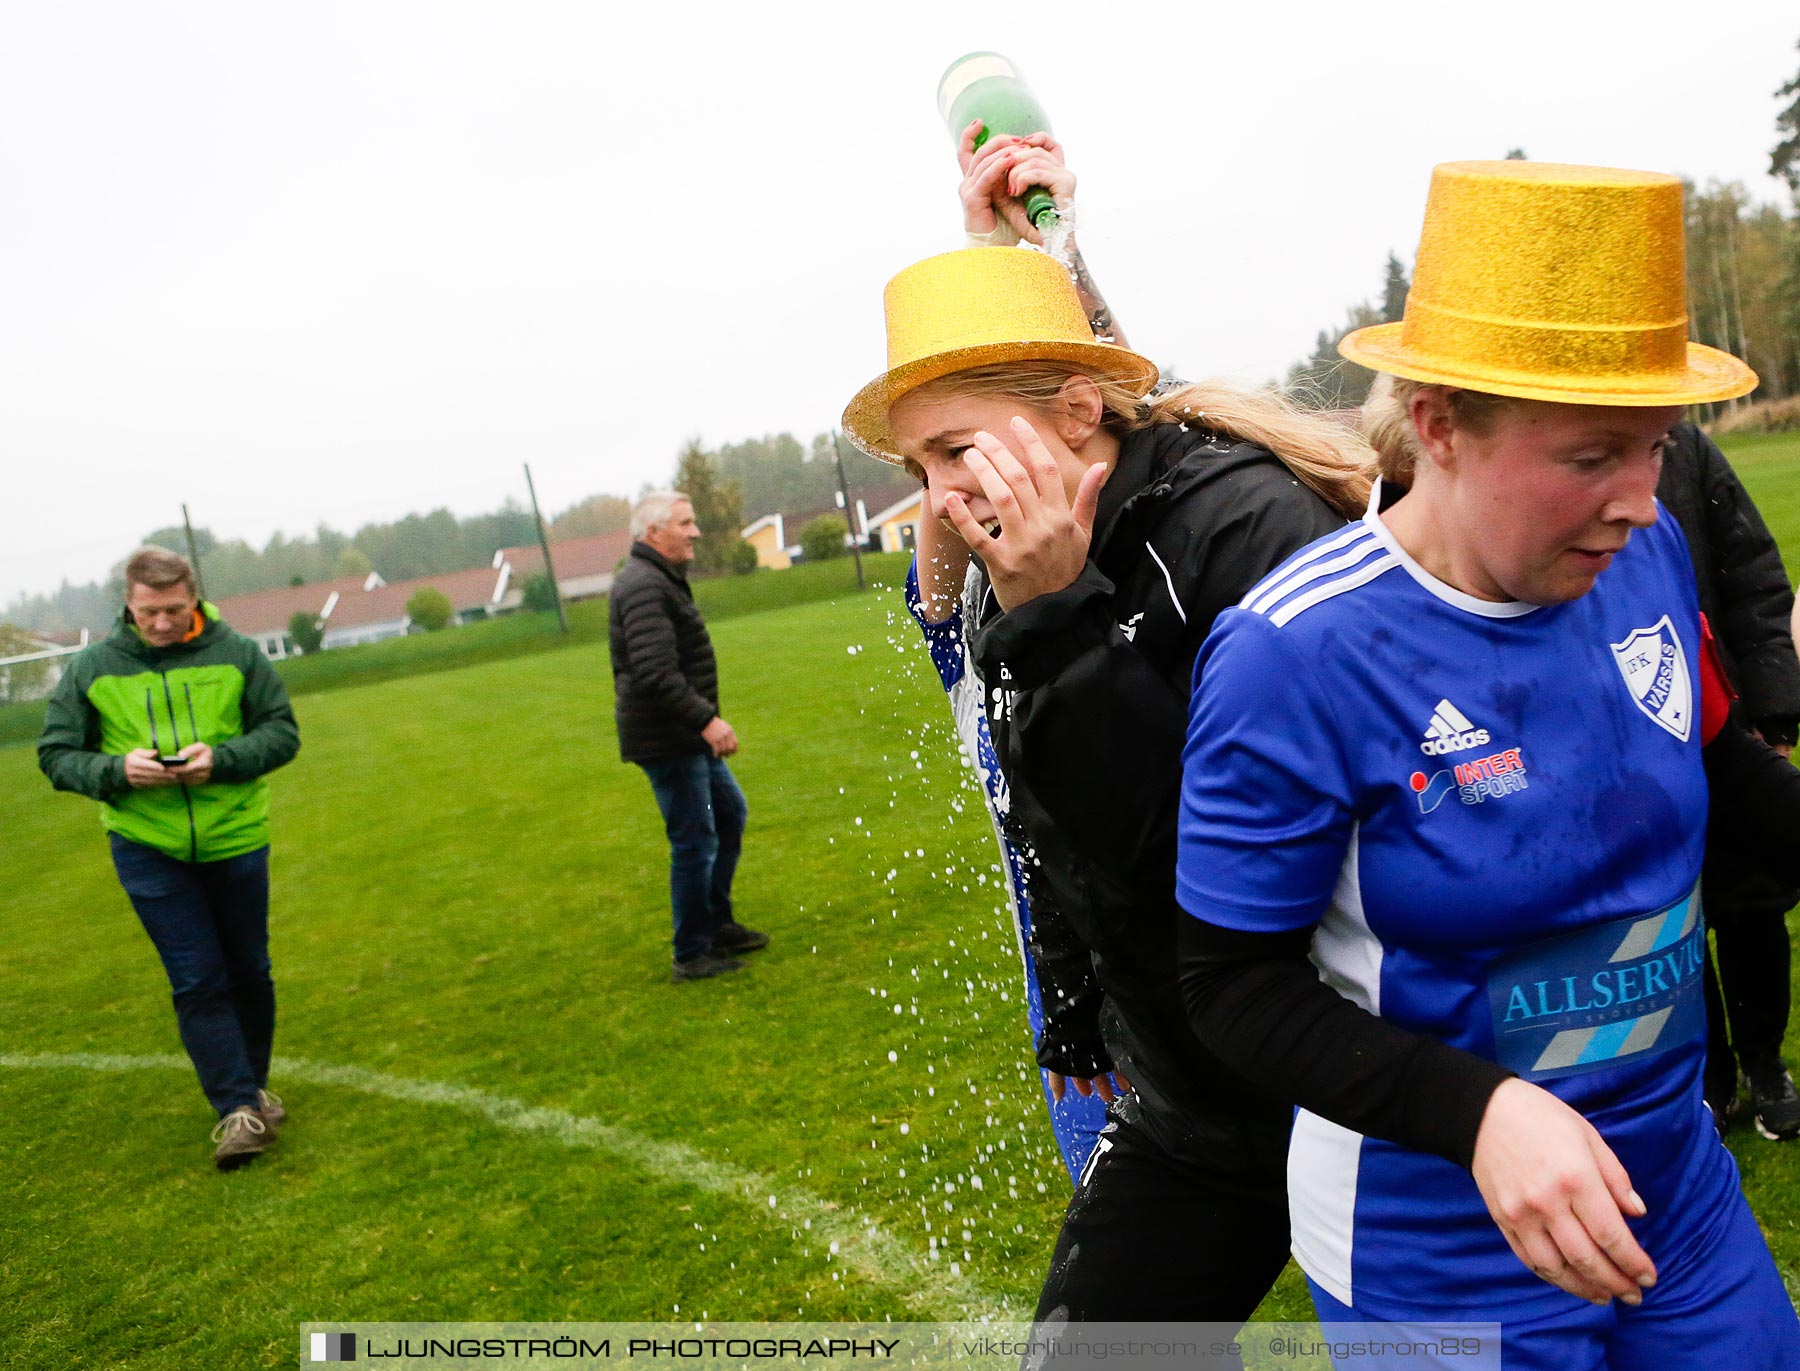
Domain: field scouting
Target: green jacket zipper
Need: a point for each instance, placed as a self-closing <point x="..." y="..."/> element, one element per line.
<point x="186" y="799"/>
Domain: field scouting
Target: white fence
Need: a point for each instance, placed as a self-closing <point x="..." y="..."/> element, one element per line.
<point x="36" y="690"/>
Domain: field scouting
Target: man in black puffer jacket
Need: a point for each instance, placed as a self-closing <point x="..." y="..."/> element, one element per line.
<point x="666" y="703"/>
<point x="1745" y="596"/>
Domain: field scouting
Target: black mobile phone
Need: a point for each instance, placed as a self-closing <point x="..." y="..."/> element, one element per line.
<point x="174" y="761"/>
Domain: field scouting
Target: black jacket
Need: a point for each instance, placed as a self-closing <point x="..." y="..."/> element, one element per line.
<point x="1089" y="721"/>
<point x="665" y="678"/>
<point x="1744" y="589"/>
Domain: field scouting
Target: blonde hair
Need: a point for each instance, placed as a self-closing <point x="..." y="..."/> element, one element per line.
<point x="1329" y="458"/>
<point x="1388" y="425"/>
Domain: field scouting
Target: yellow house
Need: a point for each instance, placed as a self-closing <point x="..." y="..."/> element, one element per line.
<point x="899" y="522"/>
<point x="766" y="536"/>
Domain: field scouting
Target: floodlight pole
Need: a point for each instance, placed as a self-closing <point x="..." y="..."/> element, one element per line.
<point x="193" y="552"/>
<point x="562" y="615"/>
<point x="837" y="453"/>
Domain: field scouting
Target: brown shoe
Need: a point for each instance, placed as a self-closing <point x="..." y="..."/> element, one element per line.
<point x="241" y="1137"/>
<point x="269" y="1109"/>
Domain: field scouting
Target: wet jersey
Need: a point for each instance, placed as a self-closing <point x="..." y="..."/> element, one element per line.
<point x="1492" y="817"/>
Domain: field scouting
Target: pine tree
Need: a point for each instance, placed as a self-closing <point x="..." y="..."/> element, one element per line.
<point x="1784" y="159"/>
<point x="1393" y="291"/>
<point x="718" y="506"/>
<point x="1325" y="380"/>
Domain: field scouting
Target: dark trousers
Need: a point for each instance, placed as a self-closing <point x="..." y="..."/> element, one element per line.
<point x="210" y="924"/>
<point x="1747" y="1003"/>
<point x="1171" y="1228"/>
<point x="703" y="813"/>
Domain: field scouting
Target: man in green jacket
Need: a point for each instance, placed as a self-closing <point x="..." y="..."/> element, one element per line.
<point x="171" y="722"/>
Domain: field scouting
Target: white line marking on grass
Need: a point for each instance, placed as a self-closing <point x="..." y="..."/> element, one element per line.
<point x="862" y="1246"/>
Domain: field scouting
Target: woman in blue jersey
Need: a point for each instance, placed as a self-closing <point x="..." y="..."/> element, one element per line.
<point x="1444" y="805"/>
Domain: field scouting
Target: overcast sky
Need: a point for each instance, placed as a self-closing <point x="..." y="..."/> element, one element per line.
<point x="342" y="261"/>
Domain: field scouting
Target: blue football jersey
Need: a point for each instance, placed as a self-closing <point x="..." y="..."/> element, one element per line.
<point x="1492" y="816"/>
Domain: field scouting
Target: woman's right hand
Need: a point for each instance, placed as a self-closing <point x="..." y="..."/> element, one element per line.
<point x="1108" y="1085"/>
<point x="996" y="177"/>
<point x="1043" y="539"/>
<point x="1560" y="1196"/>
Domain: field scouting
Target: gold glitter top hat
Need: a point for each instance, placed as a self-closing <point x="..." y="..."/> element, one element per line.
<point x="975" y="308"/>
<point x="1552" y="282"/>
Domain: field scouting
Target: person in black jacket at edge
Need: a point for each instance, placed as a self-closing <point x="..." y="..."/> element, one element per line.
<point x="1110" y="530"/>
<point x="666" y="703"/>
<point x="1744" y="594"/>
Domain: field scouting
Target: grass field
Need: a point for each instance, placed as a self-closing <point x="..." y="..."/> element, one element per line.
<point x="501" y="1107"/>
<point x="471" y="906"/>
<point x="1769" y="466"/>
<point x="517" y="635"/>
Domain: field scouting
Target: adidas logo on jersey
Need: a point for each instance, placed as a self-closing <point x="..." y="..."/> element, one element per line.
<point x="1451" y="731"/>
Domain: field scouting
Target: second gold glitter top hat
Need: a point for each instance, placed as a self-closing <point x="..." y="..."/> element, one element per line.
<point x="1552" y="282"/>
<point x="975" y="308"/>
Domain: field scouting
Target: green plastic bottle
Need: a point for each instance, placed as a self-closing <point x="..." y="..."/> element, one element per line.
<point x="985" y="86"/>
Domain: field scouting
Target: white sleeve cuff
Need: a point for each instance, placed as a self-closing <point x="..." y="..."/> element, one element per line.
<point x="1002" y="235"/>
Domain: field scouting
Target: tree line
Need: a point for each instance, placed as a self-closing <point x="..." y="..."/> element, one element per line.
<point x="730" y="487"/>
<point x="1743" y="268"/>
<point x="417" y="545"/>
<point x="1743" y="287"/>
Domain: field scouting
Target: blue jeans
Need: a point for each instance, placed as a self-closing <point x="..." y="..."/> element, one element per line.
<point x="703" y="811"/>
<point x="210" y="924"/>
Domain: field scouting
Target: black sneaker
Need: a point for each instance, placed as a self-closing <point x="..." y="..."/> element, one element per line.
<point x="1776" y="1102"/>
<point x="734" y="938"/>
<point x="705" y="965"/>
<point x="1722" y="1100"/>
<point x="1716" y="1112"/>
<point x="1725" y="1112"/>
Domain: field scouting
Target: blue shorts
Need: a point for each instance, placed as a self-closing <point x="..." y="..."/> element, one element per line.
<point x="1727" y="1312"/>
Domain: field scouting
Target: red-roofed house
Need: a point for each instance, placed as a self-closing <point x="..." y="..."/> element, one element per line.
<point x="367" y="609"/>
<point x="264" y="614"/>
<point x="584" y="566"/>
<point x="354" y="609"/>
<point x="381" y="612"/>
